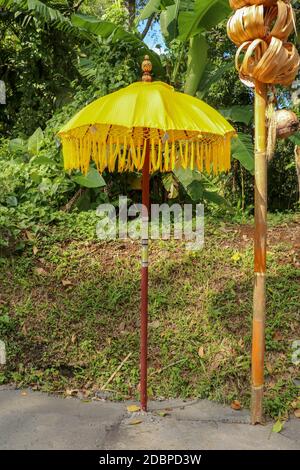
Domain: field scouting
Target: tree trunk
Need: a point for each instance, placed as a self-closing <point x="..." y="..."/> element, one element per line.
<point x="131" y="10"/>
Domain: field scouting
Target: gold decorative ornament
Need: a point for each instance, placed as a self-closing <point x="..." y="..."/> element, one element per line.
<point x="236" y="4"/>
<point x="257" y="21"/>
<point x="276" y="63"/>
<point x="147" y="69"/>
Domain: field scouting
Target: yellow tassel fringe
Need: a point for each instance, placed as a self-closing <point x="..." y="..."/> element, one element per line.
<point x="121" y="154"/>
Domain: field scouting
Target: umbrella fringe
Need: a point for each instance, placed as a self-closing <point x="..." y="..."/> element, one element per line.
<point x="126" y="154"/>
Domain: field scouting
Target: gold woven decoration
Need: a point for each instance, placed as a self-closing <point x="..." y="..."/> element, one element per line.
<point x="275" y="63"/>
<point x="257" y="21"/>
<point x="235" y="4"/>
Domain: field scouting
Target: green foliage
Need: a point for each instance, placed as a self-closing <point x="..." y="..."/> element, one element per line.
<point x="198" y="187"/>
<point x="282" y="178"/>
<point x="195" y="67"/>
<point x="238" y="113"/>
<point x="117" y="34"/>
<point x="91" y="180"/>
<point x="243" y="151"/>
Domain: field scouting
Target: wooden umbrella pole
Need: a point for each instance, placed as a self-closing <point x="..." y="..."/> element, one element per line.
<point x="144" y="282"/>
<point x="260" y="241"/>
<point x="146" y="77"/>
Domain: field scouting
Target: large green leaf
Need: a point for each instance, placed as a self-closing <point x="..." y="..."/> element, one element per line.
<point x="201" y="15"/>
<point x="243" y="150"/>
<point x="197" y="57"/>
<point x="91" y="180"/>
<point x="116" y="33"/>
<point x="40" y="11"/>
<point x="47" y="13"/>
<point x="170" y="185"/>
<point x="168" y="21"/>
<point x="198" y="187"/>
<point x="295" y="138"/>
<point x="153" y="6"/>
<point x="210" y="76"/>
<point x="87" y="67"/>
<point x="35" y="141"/>
<point x="218" y="11"/>
<point x="238" y="113"/>
<point x="17" y="145"/>
<point x="42" y="160"/>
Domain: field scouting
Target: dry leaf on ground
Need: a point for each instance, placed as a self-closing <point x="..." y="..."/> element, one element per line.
<point x="277" y="426"/>
<point x="71" y="393"/>
<point x="40" y="271"/>
<point x="162" y="413"/>
<point x="297" y="413"/>
<point x="133" y="408"/>
<point x="236" y="405"/>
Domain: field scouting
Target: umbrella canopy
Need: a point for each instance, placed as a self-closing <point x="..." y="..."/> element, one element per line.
<point x="149" y="127"/>
<point x="113" y="131"/>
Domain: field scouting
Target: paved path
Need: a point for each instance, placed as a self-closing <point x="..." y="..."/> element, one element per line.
<point x="32" y="420"/>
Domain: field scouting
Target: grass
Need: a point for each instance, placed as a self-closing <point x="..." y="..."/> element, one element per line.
<point x="69" y="314"/>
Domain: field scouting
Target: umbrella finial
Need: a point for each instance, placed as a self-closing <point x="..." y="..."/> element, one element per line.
<point x="146" y="68"/>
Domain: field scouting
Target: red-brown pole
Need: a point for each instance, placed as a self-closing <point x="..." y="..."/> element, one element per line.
<point x="144" y="283"/>
<point x="146" y="68"/>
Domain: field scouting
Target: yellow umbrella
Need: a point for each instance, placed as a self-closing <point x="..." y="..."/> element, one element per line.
<point x="147" y="127"/>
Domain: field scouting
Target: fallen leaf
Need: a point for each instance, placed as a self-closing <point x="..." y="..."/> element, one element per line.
<point x="269" y="367"/>
<point x="201" y="351"/>
<point x="162" y="413"/>
<point x="154" y="324"/>
<point x="23" y="394"/>
<point x="66" y="282"/>
<point x="40" y="271"/>
<point x="278" y="336"/>
<point x="29" y="235"/>
<point x="71" y="392"/>
<point x="295" y="404"/>
<point x="135" y="421"/>
<point x="24" y="330"/>
<point x="277" y="427"/>
<point x="236" y="405"/>
<point x="297" y="413"/>
<point x="35" y="250"/>
<point x="73" y="338"/>
<point x="133" y="408"/>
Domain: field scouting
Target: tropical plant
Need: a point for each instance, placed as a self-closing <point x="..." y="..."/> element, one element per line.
<point x="188" y="22"/>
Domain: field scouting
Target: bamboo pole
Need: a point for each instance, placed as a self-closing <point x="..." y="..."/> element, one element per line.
<point x="144" y="283"/>
<point x="260" y="240"/>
